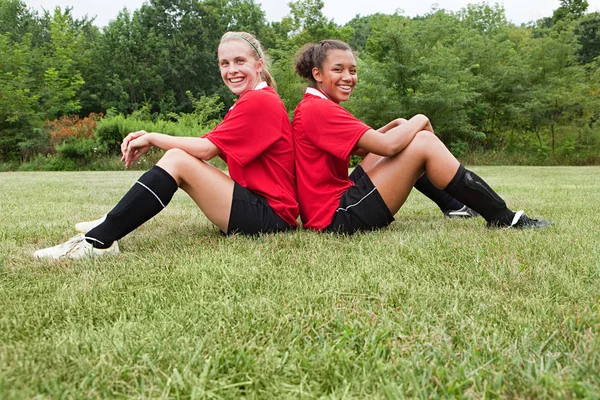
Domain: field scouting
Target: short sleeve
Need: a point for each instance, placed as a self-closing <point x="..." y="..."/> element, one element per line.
<point x="333" y="129"/>
<point x="250" y="128"/>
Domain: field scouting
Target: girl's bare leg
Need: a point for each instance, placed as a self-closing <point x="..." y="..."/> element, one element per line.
<point x="395" y="176"/>
<point x="369" y="161"/>
<point x="210" y="188"/>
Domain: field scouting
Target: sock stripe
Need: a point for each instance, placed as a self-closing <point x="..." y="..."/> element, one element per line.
<point x="155" y="195"/>
<point x="95" y="240"/>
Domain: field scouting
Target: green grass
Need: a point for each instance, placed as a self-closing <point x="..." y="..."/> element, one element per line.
<point x="426" y="308"/>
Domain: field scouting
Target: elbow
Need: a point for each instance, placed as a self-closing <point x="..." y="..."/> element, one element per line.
<point x="205" y="155"/>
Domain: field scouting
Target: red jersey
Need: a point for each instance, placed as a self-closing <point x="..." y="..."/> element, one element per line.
<point x="255" y="139"/>
<point x="324" y="136"/>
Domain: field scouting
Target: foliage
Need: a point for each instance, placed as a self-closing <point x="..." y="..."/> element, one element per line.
<point x="79" y="148"/>
<point x="67" y="127"/>
<point x="18" y="103"/>
<point x="588" y="33"/>
<point x="205" y="114"/>
<point x="486" y="84"/>
<point x="112" y="130"/>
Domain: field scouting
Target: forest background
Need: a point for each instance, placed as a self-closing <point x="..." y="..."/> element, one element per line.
<point x="496" y="93"/>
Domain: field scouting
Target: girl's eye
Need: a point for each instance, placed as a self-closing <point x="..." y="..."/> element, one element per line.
<point x="240" y="61"/>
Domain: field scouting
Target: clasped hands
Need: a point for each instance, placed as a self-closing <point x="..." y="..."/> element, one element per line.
<point x="135" y="145"/>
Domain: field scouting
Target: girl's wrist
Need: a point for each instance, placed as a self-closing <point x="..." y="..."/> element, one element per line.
<point x="152" y="138"/>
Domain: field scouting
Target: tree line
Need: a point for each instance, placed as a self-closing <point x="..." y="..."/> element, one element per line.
<point x="488" y="85"/>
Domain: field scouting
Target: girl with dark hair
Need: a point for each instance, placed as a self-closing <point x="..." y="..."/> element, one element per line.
<point x="255" y="140"/>
<point x="396" y="156"/>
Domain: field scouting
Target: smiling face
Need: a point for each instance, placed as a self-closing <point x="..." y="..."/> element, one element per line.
<point x="337" y="78"/>
<point x="240" y="69"/>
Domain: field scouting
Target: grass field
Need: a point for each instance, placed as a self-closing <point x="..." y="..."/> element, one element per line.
<point x="426" y="308"/>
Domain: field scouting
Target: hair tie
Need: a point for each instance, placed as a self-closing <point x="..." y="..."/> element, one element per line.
<point x="249" y="42"/>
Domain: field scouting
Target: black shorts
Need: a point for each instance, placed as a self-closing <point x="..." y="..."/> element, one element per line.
<point x="251" y="214"/>
<point x="361" y="207"/>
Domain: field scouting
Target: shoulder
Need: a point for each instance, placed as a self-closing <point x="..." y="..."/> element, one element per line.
<point x="325" y="109"/>
<point x="263" y="103"/>
<point x="313" y="104"/>
<point x="260" y="98"/>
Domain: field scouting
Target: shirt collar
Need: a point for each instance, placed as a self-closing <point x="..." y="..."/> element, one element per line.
<point x="261" y="85"/>
<point x="315" y="92"/>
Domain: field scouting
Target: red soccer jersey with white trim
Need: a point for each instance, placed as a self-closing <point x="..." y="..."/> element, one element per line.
<point x="324" y="136"/>
<point x="255" y="139"/>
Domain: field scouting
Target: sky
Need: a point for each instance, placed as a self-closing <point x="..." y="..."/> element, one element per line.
<point x="341" y="11"/>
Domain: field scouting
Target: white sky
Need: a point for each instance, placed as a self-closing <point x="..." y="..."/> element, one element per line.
<point x="517" y="11"/>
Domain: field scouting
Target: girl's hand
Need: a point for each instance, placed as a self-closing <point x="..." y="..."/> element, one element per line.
<point x="129" y="138"/>
<point x="134" y="146"/>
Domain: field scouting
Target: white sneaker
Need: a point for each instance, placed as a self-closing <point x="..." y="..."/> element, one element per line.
<point x="86" y="226"/>
<point x="76" y="247"/>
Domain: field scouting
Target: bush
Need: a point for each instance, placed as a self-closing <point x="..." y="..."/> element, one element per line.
<point x="49" y="162"/>
<point x="94" y="143"/>
<point x="67" y="127"/>
<point x="112" y="130"/>
<point x="207" y="110"/>
<point x="80" y="148"/>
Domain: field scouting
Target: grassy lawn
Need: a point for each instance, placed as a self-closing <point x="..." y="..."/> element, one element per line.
<point x="426" y="308"/>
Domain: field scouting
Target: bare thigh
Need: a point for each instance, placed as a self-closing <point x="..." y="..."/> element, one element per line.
<point x="394" y="177"/>
<point x="369" y="161"/>
<point x="210" y="188"/>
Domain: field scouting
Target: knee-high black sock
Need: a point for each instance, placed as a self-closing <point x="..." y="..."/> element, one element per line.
<point x="147" y="197"/>
<point x="443" y="200"/>
<point x="469" y="188"/>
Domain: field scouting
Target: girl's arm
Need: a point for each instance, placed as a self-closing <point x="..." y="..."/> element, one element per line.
<point x="392" y="124"/>
<point x="138" y="143"/>
<point x="395" y="138"/>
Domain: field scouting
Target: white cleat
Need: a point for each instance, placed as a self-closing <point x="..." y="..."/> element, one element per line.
<point x="76" y="247"/>
<point x="86" y="226"/>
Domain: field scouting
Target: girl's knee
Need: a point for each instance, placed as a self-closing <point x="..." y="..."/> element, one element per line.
<point x="426" y="136"/>
<point x="175" y="160"/>
<point x="176" y="156"/>
<point x="422" y="141"/>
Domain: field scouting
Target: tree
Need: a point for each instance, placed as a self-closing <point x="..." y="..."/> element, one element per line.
<point x="570" y="9"/>
<point x="421" y="72"/>
<point x="18" y="102"/>
<point x="588" y="33"/>
<point x="17" y="21"/>
<point x="61" y="78"/>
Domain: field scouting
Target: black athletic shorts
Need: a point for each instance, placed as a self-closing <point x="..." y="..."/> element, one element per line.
<point x="251" y="214"/>
<point x="361" y="207"/>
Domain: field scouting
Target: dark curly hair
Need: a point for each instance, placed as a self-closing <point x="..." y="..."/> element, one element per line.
<point x="313" y="55"/>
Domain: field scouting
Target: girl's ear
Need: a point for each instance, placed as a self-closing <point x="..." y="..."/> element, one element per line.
<point x="317" y="74"/>
<point x="259" y="65"/>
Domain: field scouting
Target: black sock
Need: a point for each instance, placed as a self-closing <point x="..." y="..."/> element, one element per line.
<point x="443" y="200"/>
<point x="148" y="196"/>
<point x="469" y="188"/>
